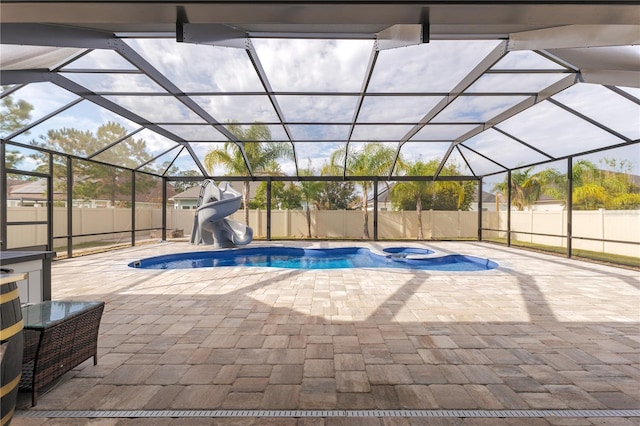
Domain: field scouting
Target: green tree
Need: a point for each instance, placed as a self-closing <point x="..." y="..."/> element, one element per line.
<point x="14" y="115"/>
<point x="261" y="155"/>
<point x="374" y="159"/>
<point x="607" y="187"/>
<point x="438" y="195"/>
<point x="12" y="159"/>
<point x="183" y="185"/>
<point x="310" y="192"/>
<point x="336" y="195"/>
<point x="291" y="197"/>
<point x="284" y="196"/>
<point x="526" y="188"/>
<point x="415" y="190"/>
<point x="610" y="187"/>
<point x="94" y="180"/>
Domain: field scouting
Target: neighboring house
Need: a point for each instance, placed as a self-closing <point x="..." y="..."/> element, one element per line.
<point x="33" y="194"/>
<point x="547" y="204"/>
<point x="488" y="202"/>
<point x="384" y="197"/>
<point x="28" y="193"/>
<point x="186" y="200"/>
<point x="189" y="199"/>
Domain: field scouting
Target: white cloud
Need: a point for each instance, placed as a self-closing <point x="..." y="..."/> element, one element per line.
<point x="196" y="67"/>
<point x="396" y="109"/>
<point x="83" y="116"/>
<point x="195" y="133"/>
<point x="443" y="132"/>
<point x="244" y="109"/>
<point x="44" y="97"/>
<point x="477" y="108"/>
<point x="101" y="59"/>
<point x="319" y="132"/>
<point x="155" y="142"/>
<point x="317" y="108"/>
<point x="157" y="109"/>
<point x="434" y="67"/>
<point x="556" y="131"/>
<point x="376" y="132"/>
<point x="316" y="154"/>
<point x="610" y="109"/>
<point x="518" y="83"/>
<point x="524" y="59"/>
<point x="502" y="149"/>
<point x="116" y="82"/>
<point x="424" y="151"/>
<point x="314" y="65"/>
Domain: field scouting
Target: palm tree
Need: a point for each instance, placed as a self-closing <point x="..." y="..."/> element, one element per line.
<point x="526" y="188"/>
<point x="374" y="159"/>
<point x="415" y="189"/>
<point x="419" y="190"/>
<point x="310" y="191"/>
<point x="261" y="154"/>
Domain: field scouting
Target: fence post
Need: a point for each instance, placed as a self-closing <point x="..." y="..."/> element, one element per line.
<point x="601" y="211"/>
<point x="530" y="225"/>
<point x="480" y="210"/>
<point x="314" y="222"/>
<point x="375" y="209"/>
<point x="69" y="207"/>
<point x="569" y="206"/>
<point x="50" y="204"/>
<point x="258" y="214"/>
<point x="81" y="215"/>
<point x="133" y="208"/>
<point x="287" y="224"/>
<point x="509" y="209"/>
<point x="404" y="224"/>
<point x="344" y="223"/>
<point x="268" y="209"/>
<point x="164" y="208"/>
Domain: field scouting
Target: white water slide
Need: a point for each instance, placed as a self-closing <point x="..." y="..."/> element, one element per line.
<point x="210" y="225"/>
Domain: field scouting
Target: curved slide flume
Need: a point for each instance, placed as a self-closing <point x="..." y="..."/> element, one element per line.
<point x="210" y="224"/>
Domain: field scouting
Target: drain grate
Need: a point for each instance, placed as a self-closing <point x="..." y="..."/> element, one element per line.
<point x="324" y="413"/>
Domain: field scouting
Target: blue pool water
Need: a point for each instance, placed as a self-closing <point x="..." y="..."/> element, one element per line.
<point x="299" y="258"/>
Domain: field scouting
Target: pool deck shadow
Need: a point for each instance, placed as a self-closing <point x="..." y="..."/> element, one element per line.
<point x="537" y="333"/>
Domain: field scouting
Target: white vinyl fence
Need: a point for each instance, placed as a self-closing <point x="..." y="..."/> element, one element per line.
<point x="620" y="225"/>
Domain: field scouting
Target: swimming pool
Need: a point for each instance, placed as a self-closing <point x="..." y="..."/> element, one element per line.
<point x="329" y="258"/>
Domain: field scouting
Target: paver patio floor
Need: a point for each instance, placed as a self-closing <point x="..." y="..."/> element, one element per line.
<point x="538" y="333"/>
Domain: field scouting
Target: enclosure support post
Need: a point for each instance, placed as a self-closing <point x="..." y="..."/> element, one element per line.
<point x="269" y="209"/>
<point x="3" y="198"/>
<point x="480" y="210"/>
<point x="133" y="208"/>
<point x="50" y="204"/>
<point x="164" y="208"/>
<point x="509" y="209"/>
<point x="569" y="205"/>
<point x="375" y="209"/>
<point x="69" y="207"/>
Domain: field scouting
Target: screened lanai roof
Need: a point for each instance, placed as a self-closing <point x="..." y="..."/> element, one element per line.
<point x="489" y="86"/>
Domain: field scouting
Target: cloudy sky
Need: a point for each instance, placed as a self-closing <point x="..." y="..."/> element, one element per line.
<point x="316" y="85"/>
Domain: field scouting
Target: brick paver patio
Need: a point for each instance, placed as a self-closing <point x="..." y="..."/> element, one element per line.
<point x="538" y="333"/>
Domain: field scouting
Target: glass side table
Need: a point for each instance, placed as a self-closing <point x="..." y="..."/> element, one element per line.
<point x="58" y="336"/>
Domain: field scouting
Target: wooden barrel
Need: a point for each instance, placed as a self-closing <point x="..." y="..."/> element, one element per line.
<point x="11" y="341"/>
